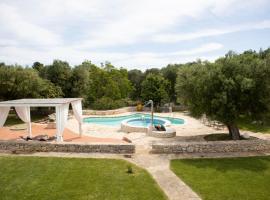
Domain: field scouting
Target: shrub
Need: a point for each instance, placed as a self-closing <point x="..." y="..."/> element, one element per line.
<point x="106" y="103"/>
<point x="139" y="107"/>
<point x="129" y="169"/>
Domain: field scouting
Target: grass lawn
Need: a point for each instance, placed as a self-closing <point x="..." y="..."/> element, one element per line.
<point x="245" y="123"/>
<point x="226" y="178"/>
<point x="74" y="178"/>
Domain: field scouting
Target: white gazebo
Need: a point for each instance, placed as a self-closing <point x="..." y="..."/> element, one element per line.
<point x="22" y="107"/>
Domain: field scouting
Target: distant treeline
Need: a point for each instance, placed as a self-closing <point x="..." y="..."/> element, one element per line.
<point x="101" y="87"/>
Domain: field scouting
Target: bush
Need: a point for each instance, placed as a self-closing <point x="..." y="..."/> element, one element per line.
<point x="139" y="107"/>
<point x="106" y="103"/>
<point x="129" y="169"/>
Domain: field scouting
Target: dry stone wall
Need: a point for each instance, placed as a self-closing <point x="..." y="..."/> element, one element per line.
<point x="109" y="112"/>
<point x="28" y="147"/>
<point x="211" y="147"/>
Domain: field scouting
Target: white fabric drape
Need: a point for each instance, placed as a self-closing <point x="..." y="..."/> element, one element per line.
<point x="24" y="114"/>
<point x="61" y="120"/>
<point x="77" y="111"/>
<point x="3" y="115"/>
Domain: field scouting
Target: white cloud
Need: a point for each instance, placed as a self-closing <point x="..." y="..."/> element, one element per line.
<point x="75" y="30"/>
<point x="15" y="28"/>
<point x="138" y="20"/>
<point x="74" y="56"/>
<point x="202" y="49"/>
<point x="168" y="38"/>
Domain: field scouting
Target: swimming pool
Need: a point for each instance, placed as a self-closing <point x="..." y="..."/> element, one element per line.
<point x="116" y="121"/>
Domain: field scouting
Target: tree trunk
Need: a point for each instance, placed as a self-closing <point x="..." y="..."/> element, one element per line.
<point x="234" y="131"/>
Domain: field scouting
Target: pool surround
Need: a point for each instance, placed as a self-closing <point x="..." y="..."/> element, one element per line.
<point x="128" y="128"/>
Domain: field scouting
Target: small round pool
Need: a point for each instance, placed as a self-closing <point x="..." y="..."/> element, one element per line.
<point x="144" y="122"/>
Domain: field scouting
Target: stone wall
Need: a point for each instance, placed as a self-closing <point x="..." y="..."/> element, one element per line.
<point x="109" y="112"/>
<point x="28" y="147"/>
<point x="211" y="147"/>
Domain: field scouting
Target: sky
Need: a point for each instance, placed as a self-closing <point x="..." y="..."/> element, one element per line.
<point x="137" y="34"/>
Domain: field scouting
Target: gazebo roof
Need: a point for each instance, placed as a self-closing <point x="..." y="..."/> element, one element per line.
<point x="38" y="102"/>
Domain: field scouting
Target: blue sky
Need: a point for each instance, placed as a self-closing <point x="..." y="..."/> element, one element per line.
<point x="133" y="34"/>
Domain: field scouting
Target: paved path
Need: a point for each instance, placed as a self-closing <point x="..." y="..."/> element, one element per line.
<point x="159" y="167"/>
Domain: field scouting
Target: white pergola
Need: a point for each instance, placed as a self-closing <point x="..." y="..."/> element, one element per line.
<point x="22" y="107"/>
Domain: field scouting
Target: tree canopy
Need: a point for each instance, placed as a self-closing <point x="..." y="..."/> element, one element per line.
<point x="17" y="82"/>
<point x="224" y="90"/>
<point x="231" y="85"/>
<point x="155" y="87"/>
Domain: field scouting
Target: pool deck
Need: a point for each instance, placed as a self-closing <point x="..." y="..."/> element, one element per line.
<point x="40" y="129"/>
<point x="192" y="129"/>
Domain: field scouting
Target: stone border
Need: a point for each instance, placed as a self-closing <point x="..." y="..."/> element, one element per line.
<point x="162" y="134"/>
<point x="30" y="147"/>
<point x="211" y="147"/>
<point x="126" y="127"/>
<point x="109" y="112"/>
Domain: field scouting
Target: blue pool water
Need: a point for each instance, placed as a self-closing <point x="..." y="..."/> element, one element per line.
<point x="116" y="121"/>
<point x="144" y="122"/>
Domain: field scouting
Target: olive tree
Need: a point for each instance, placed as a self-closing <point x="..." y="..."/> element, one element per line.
<point x="224" y="90"/>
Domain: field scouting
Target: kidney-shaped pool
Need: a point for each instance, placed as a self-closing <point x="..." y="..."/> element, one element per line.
<point x="116" y="121"/>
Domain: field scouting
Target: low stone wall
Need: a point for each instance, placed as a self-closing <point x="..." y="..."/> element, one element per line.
<point x="162" y="134"/>
<point x="29" y="147"/>
<point x="109" y="112"/>
<point x="211" y="147"/>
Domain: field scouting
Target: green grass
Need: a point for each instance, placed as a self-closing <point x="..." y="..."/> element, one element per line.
<point x="74" y="178"/>
<point x="246" y="123"/>
<point x="226" y="178"/>
<point x="13" y="119"/>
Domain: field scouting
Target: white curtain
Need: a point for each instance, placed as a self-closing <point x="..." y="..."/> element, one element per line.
<point x="24" y="114"/>
<point x="3" y="115"/>
<point x="77" y="111"/>
<point x="61" y="120"/>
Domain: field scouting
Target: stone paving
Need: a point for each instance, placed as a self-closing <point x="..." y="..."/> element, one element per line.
<point x="192" y="127"/>
<point x="159" y="167"/>
<point x="6" y="133"/>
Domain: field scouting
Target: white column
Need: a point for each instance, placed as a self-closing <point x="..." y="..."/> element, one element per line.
<point x="29" y="126"/>
<point x="3" y="115"/>
<point x="61" y="119"/>
<point x="24" y="114"/>
<point x="77" y="111"/>
<point x="58" y="121"/>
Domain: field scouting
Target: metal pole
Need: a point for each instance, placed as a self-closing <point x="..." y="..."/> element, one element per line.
<point x="152" y="112"/>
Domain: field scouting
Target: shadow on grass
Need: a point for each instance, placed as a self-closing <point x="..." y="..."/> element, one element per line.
<point x="246" y="123"/>
<point x="223" y="137"/>
<point x="253" y="164"/>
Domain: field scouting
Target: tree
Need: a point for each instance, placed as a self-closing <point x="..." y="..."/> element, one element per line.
<point x="108" y="83"/>
<point x="17" y="82"/>
<point x="80" y="80"/>
<point x="170" y="73"/>
<point x="136" y="77"/>
<point x="59" y="73"/>
<point x="40" y="68"/>
<point x="226" y="89"/>
<point x="155" y="87"/>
